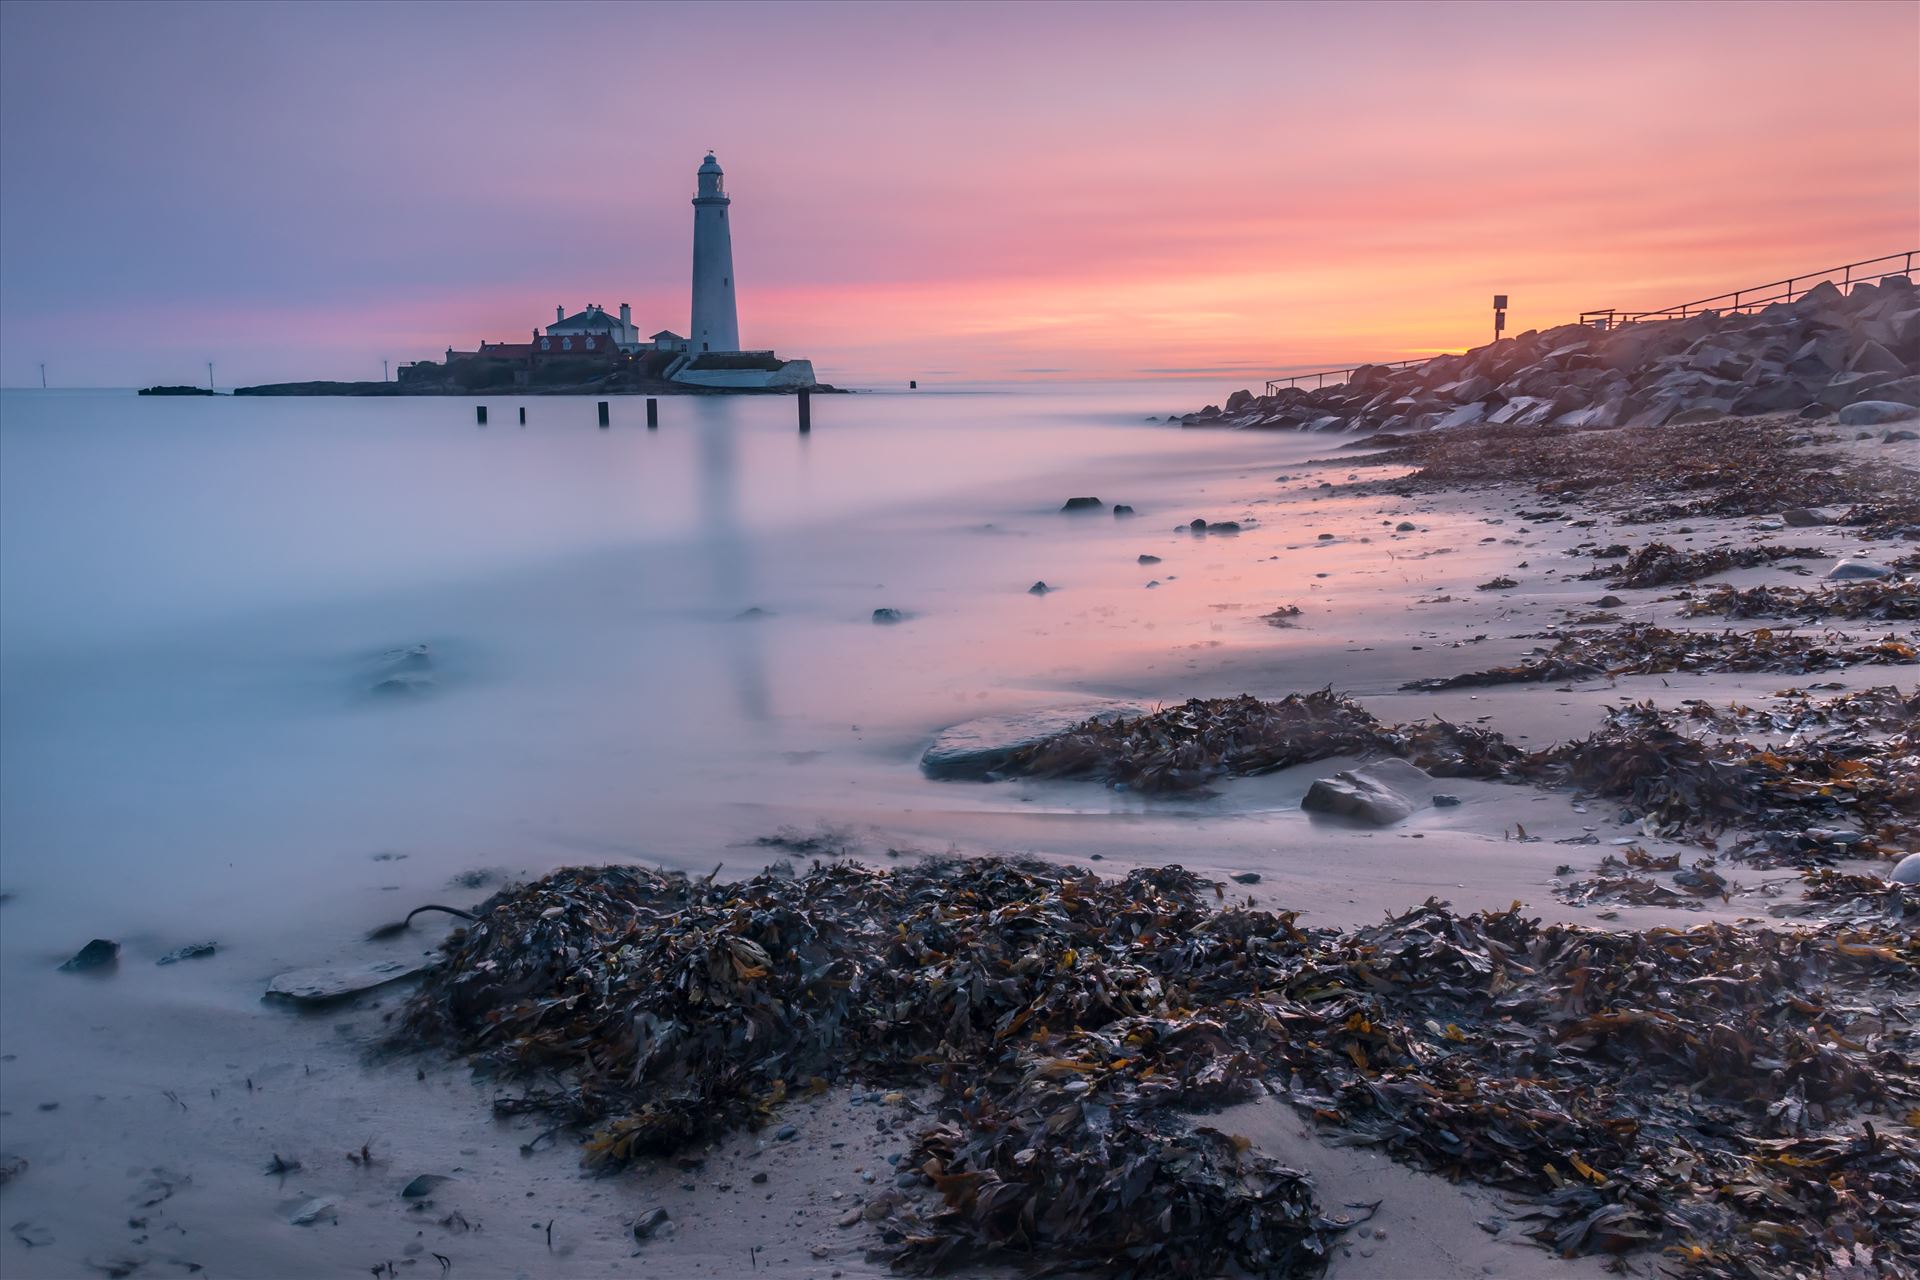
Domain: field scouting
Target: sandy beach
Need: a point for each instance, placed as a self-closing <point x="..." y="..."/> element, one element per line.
<point x="159" y="1157"/>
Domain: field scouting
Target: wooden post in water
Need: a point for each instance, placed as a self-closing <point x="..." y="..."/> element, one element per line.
<point x="604" y="419"/>
<point x="480" y="414"/>
<point x="653" y="414"/>
<point x="806" y="412"/>
<point x="523" y="415"/>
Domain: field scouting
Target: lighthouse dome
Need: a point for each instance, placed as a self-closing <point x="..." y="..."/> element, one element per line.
<point x="710" y="165"/>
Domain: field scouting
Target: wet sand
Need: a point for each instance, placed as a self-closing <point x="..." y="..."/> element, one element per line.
<point x="106" y="1081"/>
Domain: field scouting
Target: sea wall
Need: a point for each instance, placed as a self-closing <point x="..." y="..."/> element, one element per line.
<point x="1856" y="354"/>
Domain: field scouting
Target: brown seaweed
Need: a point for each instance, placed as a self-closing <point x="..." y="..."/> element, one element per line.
<point x="1645" y="649"/>
<point x="1187" y="747"/>
<point x="1740" y="1098"/>
<point x="1658" y="563"/>
<point x="1884" y="599"/>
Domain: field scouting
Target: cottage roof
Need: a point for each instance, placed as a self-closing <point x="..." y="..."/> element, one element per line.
<point x="589" y="321"/>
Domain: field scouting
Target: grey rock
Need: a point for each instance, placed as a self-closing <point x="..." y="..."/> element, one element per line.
<point x="313" y="1211"/>
<point x="1857" y="569"/>
<point x="974" y="750"/>
<point x="1121" y="509"/>
<point x="1084" y="504"/>
<point x="1405" y="526"/>
<point x="1871" y="413"/>
<point x="101" y="953"/>
<point x="403" y="672"/>
<point x="1145" y="559"/>
<point x="423" y="1185"/>
<point x="1441" y="800"/>
<point x="887" y="617"/>
<point x="1380" y="794"/>
<point x="1874" y="358"/>
<point x="1239" y="400"/>
<point x="1464" y="416"/>
<point x="192" y="951"/>
<point x="1245" y="877"/>
<point x="1898" y="437"/>
<point x="1907" y="870"/>
<point x="1905" y="390"/>
<point x="1467" y="390"/>
<point x="325" y="984"/>
<point x="1803" y="518"/>
<point x="1038" y="589"/>
<point x="1846" y="388"/>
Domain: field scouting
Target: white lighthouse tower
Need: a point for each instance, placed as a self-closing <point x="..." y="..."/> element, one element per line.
<point x="716" y="323"/>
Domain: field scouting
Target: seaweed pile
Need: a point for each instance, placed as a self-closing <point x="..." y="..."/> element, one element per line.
<point x="1733" y="1095"/>
<point x="1743" y="467"/>
<point x="1879" y="708"/>
<point x="1845" y="894"/>
<point x="1883" y="599"/>
<point x="1659" y="563"/>
<point x="1184" y="748"/>
<point x="1854" y="791"/>
<point x="1848" y="794"/>
<point x="1638" y="649"/>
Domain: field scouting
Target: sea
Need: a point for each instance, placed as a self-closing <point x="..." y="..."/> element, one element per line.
<point x="655" y="645"/>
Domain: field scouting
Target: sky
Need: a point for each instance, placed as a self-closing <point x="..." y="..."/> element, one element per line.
<point x="954" y="192"/>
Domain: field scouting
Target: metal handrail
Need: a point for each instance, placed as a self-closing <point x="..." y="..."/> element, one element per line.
<point x="1868" y="271"/>
<point x="1321" y="376"/>
<point x="1850" y="274"/>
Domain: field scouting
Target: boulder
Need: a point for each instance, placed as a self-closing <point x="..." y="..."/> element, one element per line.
<point x="1871" y="413"/>
<point x="886" y="617"/>
<point x="1467" y="390"/>
<point x="1803" y="518"/>
<point x="1905" y="390"/>
<point x="1379" y="794"/>
<point x="1874" y="358"/>
<point x="1898" y="437"/>
<point x="1083" y="504"/>
<point x="1039" y="589"/>
<point x="1121" y="510"/>
<point x="1848" y="569"/>
<point x="973" y="751"/>
<point x="192" y="951"/>
<point x="1239" y="400"/>
<point x="326" y="984"/>
<point x="1846" y="388"/>
<point x="1907" y="870"/>
<point x="101" y="953"/>
<point x="404" y="671"/>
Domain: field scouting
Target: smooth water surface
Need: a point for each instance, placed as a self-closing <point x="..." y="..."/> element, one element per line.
<point x="195" y="594"/>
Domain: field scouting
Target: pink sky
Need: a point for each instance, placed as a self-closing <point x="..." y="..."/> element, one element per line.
<point x="970" y="192"/>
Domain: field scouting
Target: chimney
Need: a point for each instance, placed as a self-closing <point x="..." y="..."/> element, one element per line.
<point x="626" y="314"/>
<point x="559" y="314"/>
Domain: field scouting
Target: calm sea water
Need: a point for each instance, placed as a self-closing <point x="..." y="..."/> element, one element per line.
<point x="194" y="594"/>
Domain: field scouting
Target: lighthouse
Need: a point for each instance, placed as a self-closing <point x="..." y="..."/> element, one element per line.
<point x="716" y="324"/>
